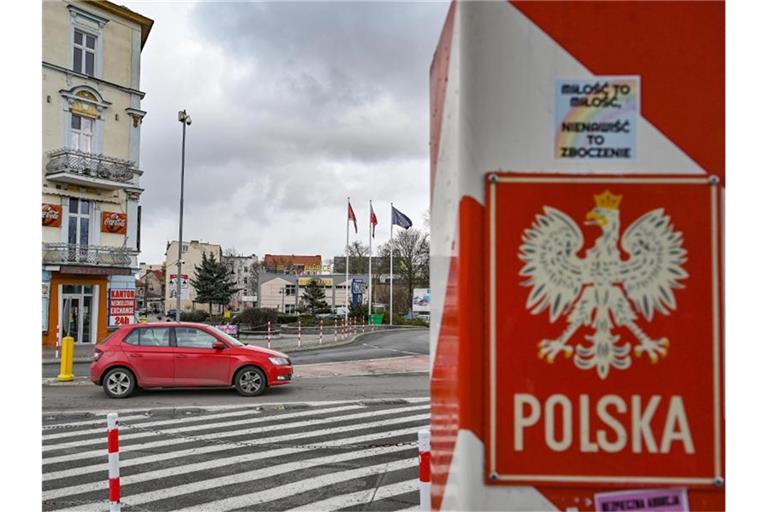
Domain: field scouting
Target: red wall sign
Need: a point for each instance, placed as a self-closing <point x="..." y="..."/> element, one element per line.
<point x="605" y="331"/>
<point x="112" y="222"/>
<point x="51" y="215"/>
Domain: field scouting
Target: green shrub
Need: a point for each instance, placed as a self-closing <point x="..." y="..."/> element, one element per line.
<point x="256" y="317"/>
<point x="286" y="319"/>
<point x="194" y="316"/>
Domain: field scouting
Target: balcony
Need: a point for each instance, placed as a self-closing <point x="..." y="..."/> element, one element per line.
<point x="90" y="170"/>
<point x="90" y="255"/>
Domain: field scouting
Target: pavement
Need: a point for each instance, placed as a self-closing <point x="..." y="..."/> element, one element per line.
<point x="284" y="343"/>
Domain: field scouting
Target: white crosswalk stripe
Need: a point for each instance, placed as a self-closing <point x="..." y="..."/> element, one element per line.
<point x="325" y="457"/>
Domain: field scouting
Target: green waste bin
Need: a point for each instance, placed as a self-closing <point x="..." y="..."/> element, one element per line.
<point x="376" y="319"/>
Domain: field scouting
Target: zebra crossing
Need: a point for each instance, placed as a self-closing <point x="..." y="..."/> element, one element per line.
<point x="323" y="456"/>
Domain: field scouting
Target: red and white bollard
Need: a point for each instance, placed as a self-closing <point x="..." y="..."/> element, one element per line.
<point x="335" y="330"/>
<point x="321" y="331"/>
<point x="114" y="462"/>
<point x="299" y="331"/>
<point x="58" y="340"/>
<point x="425" y="471"/>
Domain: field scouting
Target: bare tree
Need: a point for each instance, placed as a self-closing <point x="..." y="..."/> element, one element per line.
<point x="358" y="258"/>
<point x="411" y="255"/>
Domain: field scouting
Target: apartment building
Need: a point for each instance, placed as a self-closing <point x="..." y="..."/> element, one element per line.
<point x="191" y="256"/>
<point x="91" y="187"/>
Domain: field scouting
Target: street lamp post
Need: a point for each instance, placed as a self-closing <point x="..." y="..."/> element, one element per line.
<point x="185" y="121"/>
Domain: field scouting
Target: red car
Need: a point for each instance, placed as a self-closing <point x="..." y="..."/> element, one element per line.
<point x="183" y="354"/>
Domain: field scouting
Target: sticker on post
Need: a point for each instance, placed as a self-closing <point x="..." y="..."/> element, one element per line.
<point x="597" y="118"/>
<point x="657" y="500"/>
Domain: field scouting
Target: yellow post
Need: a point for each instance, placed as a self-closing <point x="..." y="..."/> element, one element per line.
<point x="67" y="357"/>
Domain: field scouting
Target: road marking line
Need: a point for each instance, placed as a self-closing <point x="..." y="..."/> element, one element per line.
<point x="159" y="423"/>
<point x="232" y="460"/>
<point x="255" y="474"/>
<point x="230" y="431"/>
<point x="266" y="406"/>
<point x="159" y="474"/>
<point x="360" y="497"/>
<point x="64" y="491"/>
<point x="256" y="498"/>
<point x="137" y="435"/>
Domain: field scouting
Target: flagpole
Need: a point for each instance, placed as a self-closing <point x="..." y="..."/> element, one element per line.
<point x="370" y="251"/>
<point x="391" y="250"/>
<point x="346" y="269"/>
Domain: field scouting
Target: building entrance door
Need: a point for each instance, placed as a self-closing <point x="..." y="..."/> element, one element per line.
<point x="77" y="312"/>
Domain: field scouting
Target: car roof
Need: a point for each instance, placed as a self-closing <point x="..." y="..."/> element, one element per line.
<point x="168" y="324"/>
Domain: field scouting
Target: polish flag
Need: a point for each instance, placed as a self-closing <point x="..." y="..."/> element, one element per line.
<point x="351" y="215"/>
<point x="374" y="221"/>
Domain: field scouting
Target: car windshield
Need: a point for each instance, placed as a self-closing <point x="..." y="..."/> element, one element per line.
<point x="234" y="341"/>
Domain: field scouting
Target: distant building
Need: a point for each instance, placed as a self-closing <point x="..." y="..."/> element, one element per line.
<point x="293" y="264"/>
<point x="283" y="292"/>
<point x="242" y="268"/>
<point x="191" y="255"/>
<point x="91" y="116"/>
<point x="150" y="291"/>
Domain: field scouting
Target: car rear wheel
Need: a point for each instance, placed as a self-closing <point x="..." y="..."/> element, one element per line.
<point x="250" y="381"/>
<point x="119" y="383"/>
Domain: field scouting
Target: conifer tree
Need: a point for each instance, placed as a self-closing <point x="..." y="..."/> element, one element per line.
<point x="214" y="283"/>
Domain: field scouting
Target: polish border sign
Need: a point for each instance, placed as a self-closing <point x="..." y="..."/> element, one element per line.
<point x="605" y="352"/>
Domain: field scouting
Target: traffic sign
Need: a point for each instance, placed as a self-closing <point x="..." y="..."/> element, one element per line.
<point x="604" y="327"/>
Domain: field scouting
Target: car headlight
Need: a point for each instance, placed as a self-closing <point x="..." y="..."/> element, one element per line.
<point x="280" y="361"/>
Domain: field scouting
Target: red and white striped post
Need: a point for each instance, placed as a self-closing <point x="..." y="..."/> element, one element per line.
<point x="335" y="330"/>
<point x="321" y="331"/>
<point x="114" y="462"/>
<point x="299" y="331"/>
<point x="58" y="339"/>
<point x="269" y="334"/>
<point x="425" y="471"/>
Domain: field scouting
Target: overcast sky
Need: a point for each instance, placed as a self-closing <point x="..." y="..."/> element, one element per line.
<point x="294" y="107"/>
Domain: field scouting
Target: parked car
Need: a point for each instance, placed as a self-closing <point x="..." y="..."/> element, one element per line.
<point x="184" y="354"/>
<point x="171" y="313"/>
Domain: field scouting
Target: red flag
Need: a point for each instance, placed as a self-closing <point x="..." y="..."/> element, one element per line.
<point x="374" y="221"/>
<point x="351" y="215"/>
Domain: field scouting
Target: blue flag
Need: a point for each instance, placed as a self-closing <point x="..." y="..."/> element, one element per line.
<point x="400" y="219"/>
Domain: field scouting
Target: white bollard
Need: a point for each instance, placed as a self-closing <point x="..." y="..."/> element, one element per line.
<point x="425" y="471"/>
<point x="321" y="331"/>
<point x="299" y="332"/>
<point x="269" y="334"/>
<point x="335" y="330"/>
<point x="113" y="451"/>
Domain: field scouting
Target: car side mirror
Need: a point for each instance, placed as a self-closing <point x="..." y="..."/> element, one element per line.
<point x="219" y="345"/>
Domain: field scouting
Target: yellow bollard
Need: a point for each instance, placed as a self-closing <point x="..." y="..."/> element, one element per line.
<point x="67" y="357"/>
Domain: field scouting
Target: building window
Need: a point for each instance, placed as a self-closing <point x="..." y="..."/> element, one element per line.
<point x="84" y="56"/>
<point x="79" y="221"/>
<point x="290" y="290"/>
<point x="81" y="133"/>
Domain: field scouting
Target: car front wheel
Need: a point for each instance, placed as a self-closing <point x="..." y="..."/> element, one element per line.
<point x="119" y="383"/>
<point x="250" y="381"/>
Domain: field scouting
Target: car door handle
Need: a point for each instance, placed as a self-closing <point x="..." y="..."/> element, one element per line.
<point x="135" y="355"/>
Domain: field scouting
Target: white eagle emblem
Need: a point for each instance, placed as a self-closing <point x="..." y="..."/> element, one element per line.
<point x="593" y="290"/>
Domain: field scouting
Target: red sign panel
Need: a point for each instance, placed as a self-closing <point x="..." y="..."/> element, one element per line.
<point x="605" y="331"/>
<point x="51" y="215"/>
<point x="112" y="222"/>
<point x="122" y="306"/>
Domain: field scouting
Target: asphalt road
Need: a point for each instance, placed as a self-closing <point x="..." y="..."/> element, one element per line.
<point x="84" y="396"/>
<point x="371" y="346"/>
